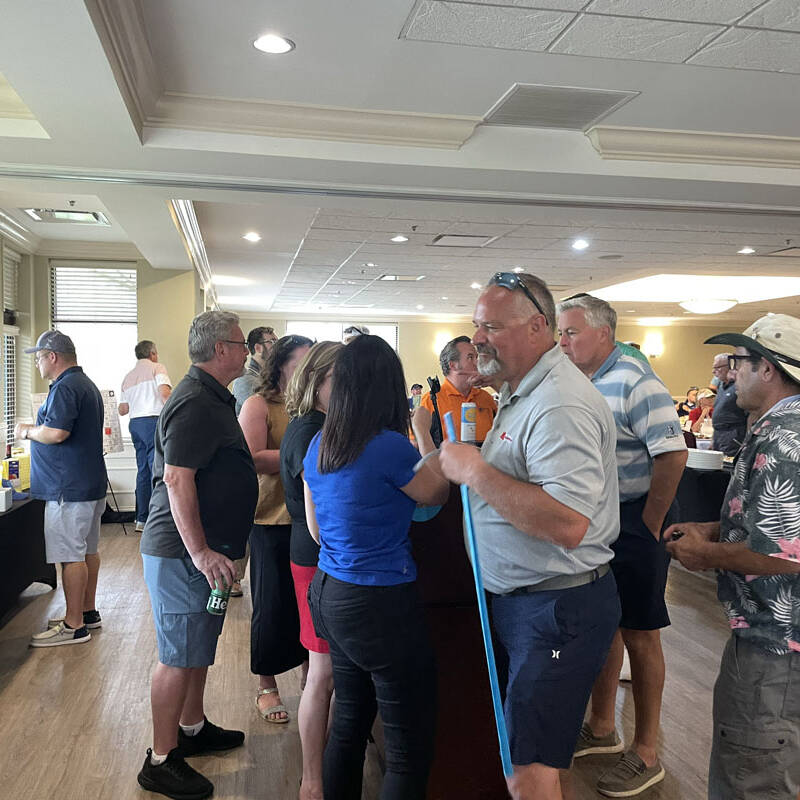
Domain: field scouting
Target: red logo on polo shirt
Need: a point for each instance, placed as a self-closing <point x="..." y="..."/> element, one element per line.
<point x="505" y="437"/>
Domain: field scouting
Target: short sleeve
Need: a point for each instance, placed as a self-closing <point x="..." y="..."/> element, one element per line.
<point x="63" y="408"/>
<point x="397" y="459"/>
<point x="653" y="418"/>
<point x="564" y="456"/>
<point x="123" y="396"/>
<point x="161" y="377"/>
<point x="299" y="447"/>
<point x="187" y="438"/>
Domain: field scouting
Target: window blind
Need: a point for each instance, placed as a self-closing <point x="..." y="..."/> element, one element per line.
<point x="11" y="262"/>
<point x="9" y="386"/>
<point x="92" y="294"/>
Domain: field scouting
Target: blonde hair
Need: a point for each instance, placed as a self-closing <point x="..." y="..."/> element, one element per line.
<point x="301" y="393"/>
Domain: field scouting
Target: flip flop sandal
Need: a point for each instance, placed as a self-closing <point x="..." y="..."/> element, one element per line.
<point x="265" y="712"/>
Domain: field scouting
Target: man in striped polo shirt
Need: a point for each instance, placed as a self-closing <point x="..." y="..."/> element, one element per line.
<point x="651" y="455"/>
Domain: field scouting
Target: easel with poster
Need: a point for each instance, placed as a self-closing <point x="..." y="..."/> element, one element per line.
<point x="112" y="432"/>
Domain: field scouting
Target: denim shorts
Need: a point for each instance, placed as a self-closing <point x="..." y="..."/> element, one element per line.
<point x="186" y="633"/>
<point x="555" y="644"/>
<point x="72" y="529"/>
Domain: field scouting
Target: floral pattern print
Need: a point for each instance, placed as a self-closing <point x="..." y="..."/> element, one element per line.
<point x="762" y="508"/>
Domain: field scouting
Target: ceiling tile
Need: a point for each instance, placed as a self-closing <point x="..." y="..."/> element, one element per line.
<point x="744" y="48"/>
<point x="486" y="26"/>
<point x="558" y="5"/>
<point x="640" y="39"/>
<point x="781" y="15"/>
<point x="724" y="12"/>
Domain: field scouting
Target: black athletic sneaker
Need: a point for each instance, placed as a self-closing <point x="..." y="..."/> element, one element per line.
<point x="210" y="739"/>
<point x="174" y="778"/>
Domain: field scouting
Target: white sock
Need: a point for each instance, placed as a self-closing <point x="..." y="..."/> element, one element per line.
<point x="193" y="730"/>
<point x="156" y="760"/>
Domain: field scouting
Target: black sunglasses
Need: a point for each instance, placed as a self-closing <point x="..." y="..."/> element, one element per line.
<point x="508" y="280"/>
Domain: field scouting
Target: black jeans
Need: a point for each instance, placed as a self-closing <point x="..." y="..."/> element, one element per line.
<point x="382" y="660"/>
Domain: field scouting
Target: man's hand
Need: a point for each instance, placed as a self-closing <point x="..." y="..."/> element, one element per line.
<point x="21" y="430"/>
<point x="652" y="523"/>
<point x="217" y="568"/>
<point x="478" y="381"/>
<point x="693" y="551"/>
<point x="421" y="419"/>
<point x="459" y="461"/>
<point x="705" y="530"/>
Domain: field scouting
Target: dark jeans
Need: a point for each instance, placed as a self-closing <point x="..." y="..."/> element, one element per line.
<point x="382" y="659"/>
<point x="143" y="433"/>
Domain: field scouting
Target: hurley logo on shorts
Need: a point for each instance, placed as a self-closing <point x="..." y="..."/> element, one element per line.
<point x="504" y="437"/>
<point x="556" y="654"/>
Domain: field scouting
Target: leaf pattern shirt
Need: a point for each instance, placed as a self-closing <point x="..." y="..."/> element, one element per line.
<point x="762" y="509"/>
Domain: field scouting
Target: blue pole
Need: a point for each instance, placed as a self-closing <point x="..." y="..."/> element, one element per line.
<point x="500" y="721"/>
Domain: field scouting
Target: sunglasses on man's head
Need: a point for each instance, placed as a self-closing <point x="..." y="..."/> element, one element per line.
<point x="508" y="280"/>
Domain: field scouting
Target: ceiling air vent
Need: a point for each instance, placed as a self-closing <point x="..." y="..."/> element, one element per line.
<point x="69" y="216"/>
<point x="462" y="240"/>
<point x="530" y="105"/>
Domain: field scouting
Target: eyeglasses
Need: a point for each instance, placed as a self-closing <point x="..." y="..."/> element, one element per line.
<point x="268" y="341"/>
<point x="733" y="361"/>
<point x="39" y="355"/>
<point x="232" y="341"/>
<point x="508" y="280"/>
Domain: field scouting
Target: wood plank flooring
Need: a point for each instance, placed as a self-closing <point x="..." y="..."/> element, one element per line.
<point x="76" y="720"/>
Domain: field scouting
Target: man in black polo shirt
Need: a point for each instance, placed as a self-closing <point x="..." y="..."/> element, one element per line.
<point x="730" y="422"/>
<point x="201" y="511"/>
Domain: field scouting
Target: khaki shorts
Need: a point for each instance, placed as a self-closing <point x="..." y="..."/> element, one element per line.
<point x="72" y="530"/>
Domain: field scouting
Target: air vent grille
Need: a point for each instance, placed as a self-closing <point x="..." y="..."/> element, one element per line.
<point x="531" y="105"/>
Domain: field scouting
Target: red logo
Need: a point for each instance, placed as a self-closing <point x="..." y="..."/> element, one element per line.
<point x="505" y="437"/>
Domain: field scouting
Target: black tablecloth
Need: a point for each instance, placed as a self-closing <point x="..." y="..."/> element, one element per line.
<point x="700" y="494"/>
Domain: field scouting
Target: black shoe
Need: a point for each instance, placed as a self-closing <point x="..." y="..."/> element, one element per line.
<point x="174" y="778"/>
<point x="211" y="738"/>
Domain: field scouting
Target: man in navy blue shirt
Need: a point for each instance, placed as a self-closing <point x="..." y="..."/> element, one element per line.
<point x="69" y="474"/>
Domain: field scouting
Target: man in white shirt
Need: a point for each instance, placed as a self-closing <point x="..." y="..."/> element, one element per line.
<point x="145" y="389"/>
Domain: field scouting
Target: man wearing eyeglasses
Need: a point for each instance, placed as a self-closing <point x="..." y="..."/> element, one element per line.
<point x="755" y="548"/>
<point x="651" y="455"/>
<point x="259" y="342"/>
<point x="69" y="474"/>
<point x="543" y="491"/>
<point x="730" y="422"/>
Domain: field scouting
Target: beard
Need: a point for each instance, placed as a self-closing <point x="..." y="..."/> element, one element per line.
<point x="488" y="363"/>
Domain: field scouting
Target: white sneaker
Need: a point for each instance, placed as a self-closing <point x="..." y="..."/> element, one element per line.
<point x="60" y="634"/>
<point x="139" y="526"/>
<point x="625" y="672"/>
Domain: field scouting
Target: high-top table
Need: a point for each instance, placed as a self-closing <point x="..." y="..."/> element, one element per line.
<point x="22" y="551"/>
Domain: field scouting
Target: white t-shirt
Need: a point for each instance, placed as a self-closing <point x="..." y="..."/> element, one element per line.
<point x="140" y="388"/>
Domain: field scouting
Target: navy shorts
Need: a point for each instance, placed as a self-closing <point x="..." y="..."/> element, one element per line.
<point x="186" y="633"/>
<point x="640" y="566"/>
<point x="555" y="644"/>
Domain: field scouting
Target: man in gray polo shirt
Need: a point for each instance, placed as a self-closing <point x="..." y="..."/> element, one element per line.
<point x="543" y="491"/>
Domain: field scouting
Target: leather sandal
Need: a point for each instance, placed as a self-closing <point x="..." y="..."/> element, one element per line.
<point x="277" y="709"/>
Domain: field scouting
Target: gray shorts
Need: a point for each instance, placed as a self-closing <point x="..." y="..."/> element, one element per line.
<point x="186" y="633"/>
<point x="72" y="530"/>
<point x="755" y="752"/>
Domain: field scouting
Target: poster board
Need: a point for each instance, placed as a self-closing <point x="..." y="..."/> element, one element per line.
<point x="112" y="432"/>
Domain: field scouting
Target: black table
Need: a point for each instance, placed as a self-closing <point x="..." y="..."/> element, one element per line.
<point x="700" y="494"/>
<point x="22" y="552"/>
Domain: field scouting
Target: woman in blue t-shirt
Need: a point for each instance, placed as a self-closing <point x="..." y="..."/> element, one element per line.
<point x="361" y="490"/>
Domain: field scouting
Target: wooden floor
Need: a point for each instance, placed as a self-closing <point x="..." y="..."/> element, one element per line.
<point x="76" y="720"/>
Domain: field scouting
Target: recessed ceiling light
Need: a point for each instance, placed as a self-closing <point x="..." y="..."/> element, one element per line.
<point x="746" y="251"/>
<point x="518" y="269"/>
<point x="474" y="285"/>
<point x="580" y="244"/>
<point x="707" y="306"/>
<point x="370" y="264"/>
<point x="252" y="236"/>
<point x="230" y="280"/>
<point x="419" y="308"/>
<point x="399" y="238"/>
<point x="274" y="44"/>
<point x="444" y="298"/>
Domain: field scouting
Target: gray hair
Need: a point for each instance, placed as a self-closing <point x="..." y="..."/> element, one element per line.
<point x="144" y="349"/>
<point x="206" y="330"/>
<point x="450" y="353"/>
<point x="598" y="312"/>
<point x="538" y="288"/>
<point x="722" y="355"/>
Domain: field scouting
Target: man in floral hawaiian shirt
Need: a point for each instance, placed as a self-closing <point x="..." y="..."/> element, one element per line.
<point x="755" y="548"/>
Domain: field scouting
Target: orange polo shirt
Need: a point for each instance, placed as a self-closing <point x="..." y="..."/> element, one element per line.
<point x="450" y="399"/>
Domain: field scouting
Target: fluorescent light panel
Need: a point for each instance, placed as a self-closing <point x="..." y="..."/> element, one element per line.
<point x="671" y="288"/>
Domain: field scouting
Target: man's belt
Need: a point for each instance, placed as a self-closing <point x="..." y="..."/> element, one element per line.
<point x="562" y="582"/>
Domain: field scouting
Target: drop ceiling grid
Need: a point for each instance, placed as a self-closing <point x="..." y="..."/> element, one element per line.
<point x="735" y="34"/>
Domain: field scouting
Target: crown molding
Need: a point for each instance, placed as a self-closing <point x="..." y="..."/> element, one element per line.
<point x="120" y="26"/>
<point x="185" y="220"/>
<point x="20" y="237"/>
<point x="105" y="251"/>
<point x="649" y="144"/>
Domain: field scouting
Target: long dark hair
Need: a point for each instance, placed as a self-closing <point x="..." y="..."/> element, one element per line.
<point x="368" y="396"/>
<point x="269" y="385"/>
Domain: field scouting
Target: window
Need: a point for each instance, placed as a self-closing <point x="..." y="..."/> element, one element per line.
<point x="332" y="331"/>
<point x="9" y="386"/>
<point x="11" y="261"/>
<point x="96" y="306"/>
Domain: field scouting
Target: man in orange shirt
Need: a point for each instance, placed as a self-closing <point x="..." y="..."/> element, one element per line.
<point x="458" y="360"/>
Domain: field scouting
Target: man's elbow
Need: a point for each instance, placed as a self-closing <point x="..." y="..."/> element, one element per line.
<point x="58" y="436"/>
<point x="574" y="533"/>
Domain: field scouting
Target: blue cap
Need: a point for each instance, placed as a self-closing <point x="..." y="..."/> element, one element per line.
<point x="53" y="340"/>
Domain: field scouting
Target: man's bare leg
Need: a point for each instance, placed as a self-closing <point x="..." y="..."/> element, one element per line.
<point x="602" y="718"/>
<point x="192" y="711"/>
<point x="168" y="691"/>
<point x="74" y="576"/>
<point x="93" y="568"/>
<point x="535" y="782"/>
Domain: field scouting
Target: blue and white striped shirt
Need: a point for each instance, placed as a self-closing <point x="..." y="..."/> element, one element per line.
<point x="645" y="416"/>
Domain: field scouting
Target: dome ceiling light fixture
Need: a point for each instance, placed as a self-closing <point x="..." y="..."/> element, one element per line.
<point x="707" y="306"/>
<point x="274" y="44"/>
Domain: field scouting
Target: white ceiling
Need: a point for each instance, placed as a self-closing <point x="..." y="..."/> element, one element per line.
<point x="372" y="126"/>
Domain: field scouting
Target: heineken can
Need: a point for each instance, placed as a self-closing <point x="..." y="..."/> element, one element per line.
<point x="218" y="600"/>
<point x="469" y="416"/>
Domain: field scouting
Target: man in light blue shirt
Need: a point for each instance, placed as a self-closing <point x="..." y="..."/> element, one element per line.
<point x="651" y="455"/>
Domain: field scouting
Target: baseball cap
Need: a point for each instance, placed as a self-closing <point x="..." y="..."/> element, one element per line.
<point x="776" y="337"/>
<point x="53" y="340"/>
